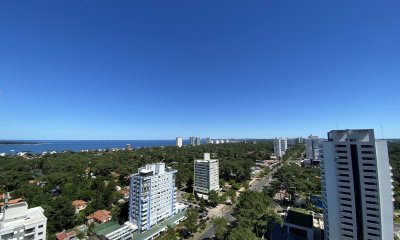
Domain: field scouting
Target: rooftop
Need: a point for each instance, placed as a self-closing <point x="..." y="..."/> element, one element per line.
<point x="299" y="217"/>
<point x="24" y="215"/>
<point x="106" y="228"/>
<point x="158" y="228"/>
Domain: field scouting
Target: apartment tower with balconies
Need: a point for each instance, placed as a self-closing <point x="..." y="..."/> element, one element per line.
<point x="356" y="186"/>
<point x="152" y="195"/>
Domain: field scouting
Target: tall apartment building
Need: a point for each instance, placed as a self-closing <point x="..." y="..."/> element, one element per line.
<point x="191" y="141"/>
<point x="208" y="140"/>
<point x="17" y="221"/>
<point x="179" y="141"/>
<point x="313" y="146"/>
<point x="198" y="141"/>
<point x="206" y="175"/>
<point x="356" y="186"/>
<point x="152" y="195"/>
<point x="280" y="146"/>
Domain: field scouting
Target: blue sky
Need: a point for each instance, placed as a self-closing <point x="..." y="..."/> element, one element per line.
<point x="159" y="69"/>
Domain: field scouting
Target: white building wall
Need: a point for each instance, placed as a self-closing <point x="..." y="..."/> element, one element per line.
<point x="206" y="175"/>
<point x="179" y="142"/>
<point x="23" y="223"/>
<point x="385" y="187"/>
<point x="329" y="192"/>
<point x="356" y="186"/>
<point x="152" y="195"/>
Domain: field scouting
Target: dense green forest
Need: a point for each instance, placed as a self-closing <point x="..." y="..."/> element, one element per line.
<point x="71" y="173"/>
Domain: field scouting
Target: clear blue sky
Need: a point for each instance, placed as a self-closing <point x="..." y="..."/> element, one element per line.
<point x="159" y="69"/>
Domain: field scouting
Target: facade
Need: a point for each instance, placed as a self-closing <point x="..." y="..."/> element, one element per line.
<point x="280" y="146"/>
<point x="356" y="186"/>
<point x="179" y="141"/>
<point x="208" y="141"/>
<point x="17" y="221"/>
<point x="206" y="175"/>
<point x="198" y="141"/>
<point x="313" y="146"/>
<point x="152" y="196"/>
<point x="123" y="233"/>
<point x="114" y="231"/>
<point x="191" y="141"/>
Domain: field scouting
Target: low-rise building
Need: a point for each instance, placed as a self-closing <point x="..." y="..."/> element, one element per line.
<point x="71" y="235"/>
<point x="112" y="230"/>
<point x="100" y="216"/>
<point x="79" y="205"/>
<point x="128" y="147"/>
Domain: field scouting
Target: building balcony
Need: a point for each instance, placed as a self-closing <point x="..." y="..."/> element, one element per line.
<point x="29" y="231"/>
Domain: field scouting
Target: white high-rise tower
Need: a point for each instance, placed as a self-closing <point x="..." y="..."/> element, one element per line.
<point x="206" y="175"/>
<point x="152" y="195"/>
<point x="179" y="141"/>
<point x="356" y="186"/>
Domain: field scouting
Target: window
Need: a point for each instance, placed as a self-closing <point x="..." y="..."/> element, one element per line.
<point x="373" y="234"/>
<point x="373" y="228"/>
<point x="370" y="183"/>
<point x="40" y="226"/>
<point x="367" y="146"/>
<point x="371" y="221"/>
<point x="368" y="165"/>
<point x="372" y="209"/>
<point x="370" y="177"/>
<point x="346" y="223"/>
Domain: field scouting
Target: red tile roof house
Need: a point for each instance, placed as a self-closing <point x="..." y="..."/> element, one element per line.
<point x="79" y="205"/>
<point x="100" y="216"/>
<point x="65" y="235"/>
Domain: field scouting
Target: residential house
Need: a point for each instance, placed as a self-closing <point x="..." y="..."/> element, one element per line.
<point x="79" y="205"/>
<point x="100" y="216"/>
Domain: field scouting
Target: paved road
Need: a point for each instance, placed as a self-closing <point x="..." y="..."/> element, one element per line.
<point x="210" y="233"/>
<point x="265" y="181"/>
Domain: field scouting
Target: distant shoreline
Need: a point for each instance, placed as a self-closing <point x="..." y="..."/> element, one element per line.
<point x="3" y="142"/>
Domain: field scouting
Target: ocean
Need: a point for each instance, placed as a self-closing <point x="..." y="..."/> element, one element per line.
<point x="77" y="145"/>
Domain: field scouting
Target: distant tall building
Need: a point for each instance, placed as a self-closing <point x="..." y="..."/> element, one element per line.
<point x="198" y="141"/>
<point x="356" y="186"/>
<point x="152" y="195"/>
<point x="280" y="146"/>
<point x="208" y="140"/>
<point x="206" y="175"/>
<point x="313" y="146"/>
<point x="17" y="221"/>
<point x="179" y="141"/>
<point x="191" y="140"/>
<point x="128" y="147"/>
